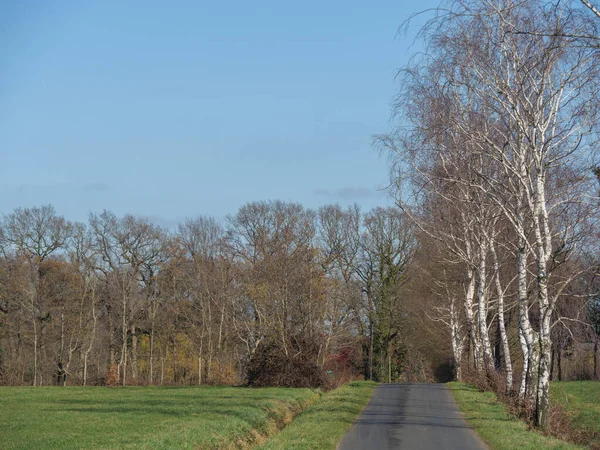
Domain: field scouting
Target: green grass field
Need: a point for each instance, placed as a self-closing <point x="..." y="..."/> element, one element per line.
<point x="581" y="400"/>
<point x="322" y="425"/>
<point x="500" y="431"/>
<point x="235" y="417"/>
<point x="144" y="417"/>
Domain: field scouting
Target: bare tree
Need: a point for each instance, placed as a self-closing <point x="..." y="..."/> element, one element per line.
<point x="34" y="234"/>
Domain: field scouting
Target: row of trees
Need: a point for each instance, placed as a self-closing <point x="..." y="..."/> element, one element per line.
<point x="494" y="164"/>
<point x="120" y="300"/>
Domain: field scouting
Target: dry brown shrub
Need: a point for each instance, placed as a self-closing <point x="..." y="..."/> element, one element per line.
<point x="223" y="373"/>
<point x="112" y="375"/>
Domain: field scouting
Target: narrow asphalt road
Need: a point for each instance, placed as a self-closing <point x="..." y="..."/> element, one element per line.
<point x="411" y="416"/>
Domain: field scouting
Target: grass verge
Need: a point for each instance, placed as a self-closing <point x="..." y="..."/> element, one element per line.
<point x="498" y="429"/>
<point x="581" y="401"/>
<point x="322" y="425"/>
<point x="207" y="417"/>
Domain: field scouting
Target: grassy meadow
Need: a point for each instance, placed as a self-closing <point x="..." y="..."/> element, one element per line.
<point x="581" y="401"/>
<point x="212" y="417"/>
<point x="205" y="417"/>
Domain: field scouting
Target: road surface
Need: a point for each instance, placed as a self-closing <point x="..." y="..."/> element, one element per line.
<point x="411" y="416"/>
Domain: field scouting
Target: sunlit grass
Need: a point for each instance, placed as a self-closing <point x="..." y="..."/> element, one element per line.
<point x="322" y="425"/>
<point x="581" y="400"/>
<point x="500" y="431"/>
<point x="143" y="417"/>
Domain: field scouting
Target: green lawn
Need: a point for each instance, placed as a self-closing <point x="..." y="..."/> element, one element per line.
<point x="495" y="426"/>
<point x="322" y="425"/>
<point x="144" y="417"/>
<point x="581" y="400"/>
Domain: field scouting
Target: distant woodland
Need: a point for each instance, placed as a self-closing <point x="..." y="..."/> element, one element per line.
<point x="120" y="300"/>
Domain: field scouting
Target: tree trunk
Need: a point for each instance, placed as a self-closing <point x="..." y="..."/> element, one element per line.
<point x="35" y="351"/>
<point x="371" y="339"/>
<point x="559" y="362"/>
<point x="200" y="359"/>
<point x="474" y="342"/>
<point x="199" y="370"/>
<point x="553" y="358"/>
<point x="152" y="351"/>
<point x="112" y="360"/>
<point x="527" y="336"/>
<point x="543" y="392"/>
<point x="60" y="363"/>
<point x="525" y="372"/>
<point x="162" y="366"/>
<point x="219" y="342"/>
<point x="486" y="347"/>
<point x="457" y="341"/>
<point x="122" y="368"/>
<point x="35" y="335"/>
<point x="134" y="362"/>
<point x="596" y="374"/>
<point x="543" y="239"/>
<point x="502" y="324"/>
<point x="389" y="366"/>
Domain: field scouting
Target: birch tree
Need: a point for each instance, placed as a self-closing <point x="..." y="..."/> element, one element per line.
<point x="524" y="96"/>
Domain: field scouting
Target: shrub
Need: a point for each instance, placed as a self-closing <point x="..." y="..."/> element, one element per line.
<point x="112" y="376"/>
<point x="271" y="365"/>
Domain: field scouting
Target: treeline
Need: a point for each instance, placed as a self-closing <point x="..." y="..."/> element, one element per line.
<point x="276" y="294"/>
<point x="494" y="161"/>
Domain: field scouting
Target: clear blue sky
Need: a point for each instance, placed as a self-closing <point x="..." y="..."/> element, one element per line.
<point x="174" y="109"/>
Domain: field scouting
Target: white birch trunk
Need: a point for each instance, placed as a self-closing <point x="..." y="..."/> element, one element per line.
<point x="469" y="296"/>
<point x="457" y="341"/>
<point x="484" y="336"/>
<point x="525" y="351"/>
<point x="471" y="329"/>
<point x="544" y="248"/>
<point x="529" y="338"/>
<point x="508" y="371"/>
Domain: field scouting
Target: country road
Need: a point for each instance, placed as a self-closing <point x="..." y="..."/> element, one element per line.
<point x="411" y="416"/>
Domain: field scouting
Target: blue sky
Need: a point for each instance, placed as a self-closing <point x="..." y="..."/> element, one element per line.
<point x="175" y="109"/>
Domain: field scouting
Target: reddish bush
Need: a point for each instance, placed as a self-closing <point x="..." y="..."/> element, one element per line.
<point x="112" y="375"/>
<point x="343" y="367"/>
